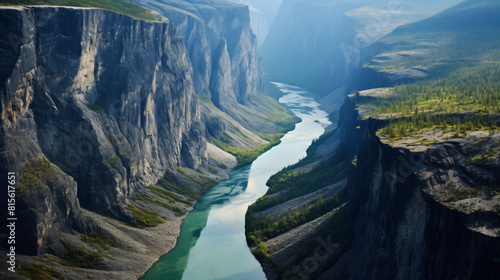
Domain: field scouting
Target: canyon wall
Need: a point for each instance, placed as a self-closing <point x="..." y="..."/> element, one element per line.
<point x="95" y="105"/>
<point x="221" y="47"/>
<point x="227" y="70"/>
<point x="409" y="219"/>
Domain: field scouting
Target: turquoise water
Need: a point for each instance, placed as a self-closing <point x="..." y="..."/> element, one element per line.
<point x="212" y="241"/>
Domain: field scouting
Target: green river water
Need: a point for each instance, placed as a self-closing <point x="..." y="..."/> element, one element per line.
<point x="212" y="241"/>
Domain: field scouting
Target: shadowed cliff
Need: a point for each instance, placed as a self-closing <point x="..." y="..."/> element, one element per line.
<point x="95" y="105"/>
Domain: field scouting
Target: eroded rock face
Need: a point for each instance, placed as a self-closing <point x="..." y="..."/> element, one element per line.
<point x="221" y="47"/>
<point x="107" y="99"/>
<point x="424" y="214"/>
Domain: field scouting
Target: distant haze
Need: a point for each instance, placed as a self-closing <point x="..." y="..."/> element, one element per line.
<point x="262" y="14"/>
<point x="316" y="43"/>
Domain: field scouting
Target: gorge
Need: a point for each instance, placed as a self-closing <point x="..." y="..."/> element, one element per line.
<point x="218" y="218"/>
<point x="119" y="127"/>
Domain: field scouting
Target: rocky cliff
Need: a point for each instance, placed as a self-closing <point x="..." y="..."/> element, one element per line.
<point x="95" y="106"/>
<point x="262" y="14"/>
<point x="425" y="213"/>
<point x="423" y="201"/>
<point x="426" y="206"/>
<point x="227" y="71"/>
<point x="221" y="47"/>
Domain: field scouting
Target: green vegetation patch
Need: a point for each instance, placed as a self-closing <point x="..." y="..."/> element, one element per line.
<point x="35" y="173"/>
<point x="180" y="170"/>
<point x="119" y="6"/>
<point x="464" y="194"/>
<point x="170" y="196"/>
<point x="262" y="229"/>
<point x="262" y="252"/>
<point x="271" y="110"/>
<point x="144" y="217"/>
<point x="206" y="184"/>
<point x="212" y="170"/>
<point x="486" y="155"/>
<point x="112" y="161"/>
<point x="79" y="257"/>
<point x="38" y="271"/>
<point x="272" y="138"/>
<point x="463" y="68"/>
<point x="494" y="189"/>
<point x="399" y="129"/>
<point x="298" y="183"/>
<point x="147" y="199"/>
<point x="95" y="107"/>
<point x="468" y="89"/>
<point x="335" y="231"/>
<point x="464" y="100"/>
<point x="185" y="191"/>
<point x="244" y="156"/>
<point x="95" y="238"/>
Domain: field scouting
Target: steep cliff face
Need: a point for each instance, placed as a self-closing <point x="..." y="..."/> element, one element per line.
<point x="227" y="71"/>
<point x="416" y="215"/>
<point x="221" y="46"/>
<point x="422" y="204"/>
<point x="262" y="14"/>
<point x="95" y="105"/>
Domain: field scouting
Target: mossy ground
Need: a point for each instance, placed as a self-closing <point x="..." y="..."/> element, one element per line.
<point x="36" y="271"/>
<point x="100" y="239"/>
<point x="144" y="217"/>
<point x="35" y="172"/>
<point x="147" y="199"/>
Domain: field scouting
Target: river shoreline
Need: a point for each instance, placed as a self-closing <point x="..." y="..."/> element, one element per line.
<point x="140" y="249"/>
<point x="220" y="251"/>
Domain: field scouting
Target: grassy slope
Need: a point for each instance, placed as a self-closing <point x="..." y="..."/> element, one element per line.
<point x="293" y="182"/>
<point x="119" y="6"/>
<point x="461" y="52"/>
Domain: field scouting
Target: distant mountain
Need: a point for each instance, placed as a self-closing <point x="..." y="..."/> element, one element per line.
<point x="317" y="44"/>
<point x="468" y="14"/>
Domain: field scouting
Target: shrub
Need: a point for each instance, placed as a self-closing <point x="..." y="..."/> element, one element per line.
<point x="147" y="199"/>
<point x="185" y="191"/>
<point x="170" y="196"/>
<point x="35" y="173"/>
<point x="144" y="217"/>
<point x="98" y="239"/>
<point x="79" y="257"/>
<point x="38" y="271"/>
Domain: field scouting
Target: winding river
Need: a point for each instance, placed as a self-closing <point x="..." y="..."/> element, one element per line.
<point x="212" y="241"/>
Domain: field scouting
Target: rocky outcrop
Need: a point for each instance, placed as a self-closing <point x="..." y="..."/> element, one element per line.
<point x="424" y="214"/>
<point x="95" y="105"/>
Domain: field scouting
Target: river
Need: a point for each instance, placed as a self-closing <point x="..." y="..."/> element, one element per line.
<point x="212" y="242"/>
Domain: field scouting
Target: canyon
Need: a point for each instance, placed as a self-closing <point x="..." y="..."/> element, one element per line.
<point x="98" y="108"/>
<point x="117" y="126"/>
